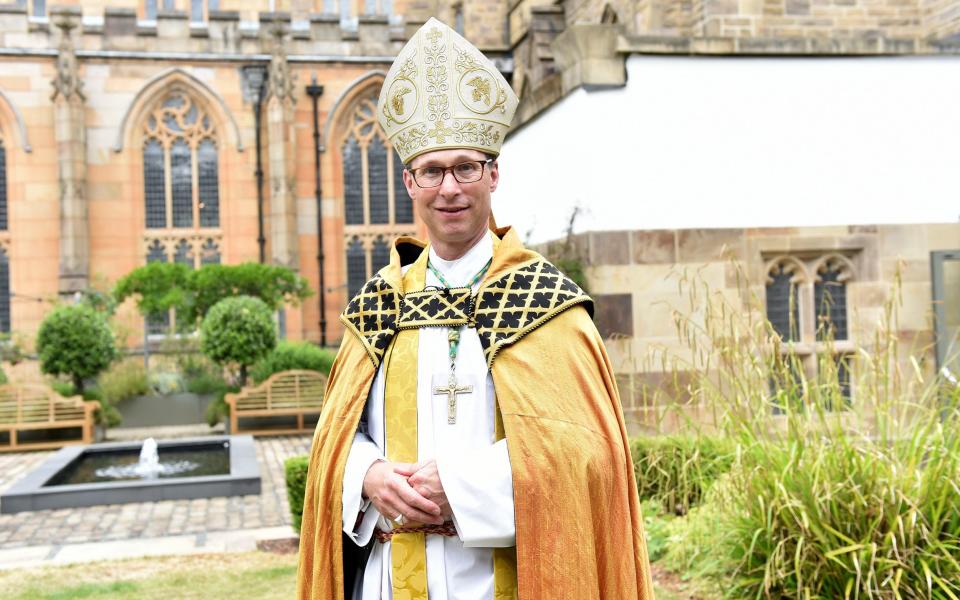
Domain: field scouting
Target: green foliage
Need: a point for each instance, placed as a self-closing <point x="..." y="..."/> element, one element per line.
<point x="106" y="414"/>
<point x="656" y="525"/>
<point x="11" y="348"/>
<point x="293" y="355"/>
<point x="827" y="498"/>
<point x="273" y="284"/>
<point x="237" y="332"/>
<point x="123" y="380"/>
<point x="218" y="409"/>
<point x="3" y="376"/>
<point x="676" y="470"/>
<point x="165" y="383"/>
<point x="200" y="374"/>
<point x="75" y="341"/>
<point x="160" y="287"/>
<point x="295" y="474"/>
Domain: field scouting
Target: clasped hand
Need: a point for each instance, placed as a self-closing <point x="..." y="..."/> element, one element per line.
<point x="413" y="491"/>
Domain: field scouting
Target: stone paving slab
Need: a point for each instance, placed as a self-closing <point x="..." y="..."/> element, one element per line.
<point x="153" y="520"/>
<point x="219" y="542"/>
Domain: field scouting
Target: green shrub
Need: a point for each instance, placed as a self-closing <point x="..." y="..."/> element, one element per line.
<point x="237" y="332"/>
<point x="830" y="496"/>
<point x="218" y="409"/>
<point x="206" y="383"/>
<point x="200" y="374"/>
<point x="3" y="376"/>
<point x="106" y="414"/>
<point x="123" y="380"/>
<point x="295" y="474"/>
<point x="675" y="470"/>
<point x="656" y="525"/>
<point x="75" y="341"/>
<point x="165" y="383"/>
<point x="293" y="355"/>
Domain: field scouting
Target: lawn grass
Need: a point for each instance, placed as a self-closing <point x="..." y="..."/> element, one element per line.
<point x="206" y="577"/>
<point x="257" y="575"/>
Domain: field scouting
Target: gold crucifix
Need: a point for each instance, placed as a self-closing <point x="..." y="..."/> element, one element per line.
<point x="451" y="392"/>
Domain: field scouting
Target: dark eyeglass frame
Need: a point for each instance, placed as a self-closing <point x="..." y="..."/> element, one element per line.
<point x="452" y="169"/>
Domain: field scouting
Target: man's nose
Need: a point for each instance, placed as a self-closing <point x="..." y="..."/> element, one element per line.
<point x="449" y="186"/>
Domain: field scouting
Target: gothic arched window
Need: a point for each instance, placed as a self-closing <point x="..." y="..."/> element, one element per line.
<point x="783" y="309"/>
<point x="376" y="206"/>
<point x="181" y="187"/>
<point x="830" y="299"/>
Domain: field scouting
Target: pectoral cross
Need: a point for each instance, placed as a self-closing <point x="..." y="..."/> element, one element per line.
<point x="451" y="392"/>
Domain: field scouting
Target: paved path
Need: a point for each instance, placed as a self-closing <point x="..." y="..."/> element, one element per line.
<point x="191" y="522"/>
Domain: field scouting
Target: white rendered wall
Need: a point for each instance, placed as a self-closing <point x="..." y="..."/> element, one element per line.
<point x="695" y="142"/>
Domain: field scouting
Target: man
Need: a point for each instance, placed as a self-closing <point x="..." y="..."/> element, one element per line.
<point x="471" y="443"/>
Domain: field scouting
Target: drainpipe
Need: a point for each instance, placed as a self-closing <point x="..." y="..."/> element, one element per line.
<point x="315" y="90"/>
<point x="255" y="80"/>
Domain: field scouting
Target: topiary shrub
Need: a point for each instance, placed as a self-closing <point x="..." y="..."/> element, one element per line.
<point x="676" y="470"/>
<point x="75" y="341"/>
<point x="237" y="332"/>
<point x="293" y="355"/>
<point x="295" y="474"/>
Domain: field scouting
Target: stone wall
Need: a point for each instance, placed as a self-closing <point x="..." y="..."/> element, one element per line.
<point x="640" y="278"/>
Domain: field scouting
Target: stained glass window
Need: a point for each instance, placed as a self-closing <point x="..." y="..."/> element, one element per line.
<point x="180" y="147"/>
<point x="380" y="255"/>
<point x="4" y="292"/>
<point x="183" y="254"/>
<point x="356" y="266"/>
<point x="210" y="253"/>
<point x="782" y="309"/>
<point x="154" y="184"/>
<point x="181" y="163"/>
<point x="3" y="187"/>
<point x="209" y="184"/>
<point x="830" y="300"/>
<point x="377" y="182"/>
<point x="376" y="206"/>
<point x="352" y="183"/>
<point x="402" y="204"/>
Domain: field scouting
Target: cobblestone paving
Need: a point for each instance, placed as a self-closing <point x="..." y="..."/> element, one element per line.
<point x="152" y="519"/>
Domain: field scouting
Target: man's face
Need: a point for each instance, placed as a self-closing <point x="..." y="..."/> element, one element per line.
<point x="455" y="213"/>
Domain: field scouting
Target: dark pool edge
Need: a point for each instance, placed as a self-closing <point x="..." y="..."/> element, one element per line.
<point x="29" y="494"/>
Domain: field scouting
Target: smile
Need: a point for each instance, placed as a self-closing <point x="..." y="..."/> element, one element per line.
<point x="452" y="210"/>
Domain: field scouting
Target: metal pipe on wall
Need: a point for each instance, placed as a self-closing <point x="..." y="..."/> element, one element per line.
<point x="254" y="79"/>
<point x="314" y="90"/>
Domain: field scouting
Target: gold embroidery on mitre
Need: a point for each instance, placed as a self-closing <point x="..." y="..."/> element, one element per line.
<point x="400" y="107"/>
<point x="444" y="93"/>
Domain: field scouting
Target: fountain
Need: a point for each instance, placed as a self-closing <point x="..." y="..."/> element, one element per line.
<point x="117" y="473"/>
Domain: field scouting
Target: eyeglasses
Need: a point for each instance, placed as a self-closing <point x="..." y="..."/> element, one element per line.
<point x="465" y="172"/>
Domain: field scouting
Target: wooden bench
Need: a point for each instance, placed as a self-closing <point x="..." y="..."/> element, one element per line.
<point x="36" y="407"/>
<point x="284" y="394"/>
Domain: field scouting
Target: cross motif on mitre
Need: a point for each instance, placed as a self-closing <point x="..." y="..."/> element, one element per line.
<point x="434" y="35"/>
<point x="440" y="132"/>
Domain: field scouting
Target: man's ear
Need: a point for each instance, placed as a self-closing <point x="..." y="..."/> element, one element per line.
<point x="408" y="182"/>
<point x="494" y="176"/>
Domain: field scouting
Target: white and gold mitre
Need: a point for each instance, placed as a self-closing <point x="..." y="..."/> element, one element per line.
<point x="442" y="92"/>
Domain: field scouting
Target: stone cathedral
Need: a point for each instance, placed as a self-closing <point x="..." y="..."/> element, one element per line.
<point x="226" y="131"/>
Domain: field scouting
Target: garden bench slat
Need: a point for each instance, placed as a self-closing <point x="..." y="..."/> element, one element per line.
<point x="37" y="407"/>
<point x="288" y="393"/>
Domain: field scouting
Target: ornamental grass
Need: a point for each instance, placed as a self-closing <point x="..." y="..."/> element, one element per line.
<point x="828" y="495"/>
